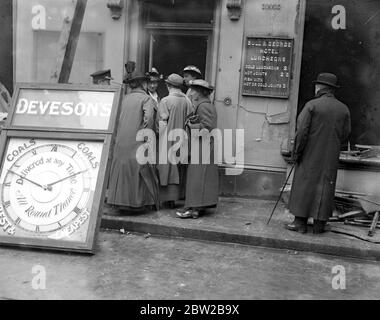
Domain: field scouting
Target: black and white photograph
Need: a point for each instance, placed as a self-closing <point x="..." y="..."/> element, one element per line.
<point x="189" y="156"/>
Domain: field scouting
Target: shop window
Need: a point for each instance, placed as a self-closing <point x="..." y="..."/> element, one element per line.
<point x="349" y="46"/>
<point x="88" y="56"/>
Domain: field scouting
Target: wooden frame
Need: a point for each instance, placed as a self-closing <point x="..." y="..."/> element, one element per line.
<point x="66" y="87"/>
<point x="146" y="30"/>
<point x="103" y="137"/>
<point x="243" y="62"/>
<point x="298" y="46"/>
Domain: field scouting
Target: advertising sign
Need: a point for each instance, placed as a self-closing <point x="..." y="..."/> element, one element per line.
<point x="52" y="184"/>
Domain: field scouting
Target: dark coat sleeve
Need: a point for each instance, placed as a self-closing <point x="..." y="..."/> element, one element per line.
<point x="207" y="116"/>
<point x="302" y="133"/>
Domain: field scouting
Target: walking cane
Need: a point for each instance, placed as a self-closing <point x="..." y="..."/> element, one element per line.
<point x="282" y="191"/>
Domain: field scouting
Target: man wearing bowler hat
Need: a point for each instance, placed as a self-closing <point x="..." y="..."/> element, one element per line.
<point x="322" y="127"/>
<point x="172" y="113"/>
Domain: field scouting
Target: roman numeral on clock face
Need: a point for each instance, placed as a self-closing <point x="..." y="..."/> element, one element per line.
<point x="6" y="204"/>
<point x="54" y="149"/>
<point x="34" y="152"/>
<point x="7" y="184"/>
<point x="18" y="220"/>
<point x="37" y="229"/>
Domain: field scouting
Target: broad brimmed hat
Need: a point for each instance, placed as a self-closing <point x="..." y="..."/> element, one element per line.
<point x="202" y="84"/>
<point x="137" y="75"/>
<point x="175" y="80"/>
<point x="328" y="79"/>
<point x="192" y="69"/>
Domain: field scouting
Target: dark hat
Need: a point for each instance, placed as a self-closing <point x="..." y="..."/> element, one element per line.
<point x="154" y="75"/>
<point x="101" y="75"/>
<point x="192" y="69"/>
<point x="136" y="75"/>
<point x="175" y="80"/>
<point x="328" y="79"/>
<point x="201" y="83"/>
<point x="154" y="72"/>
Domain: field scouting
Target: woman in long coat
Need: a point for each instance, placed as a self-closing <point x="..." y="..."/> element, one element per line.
<point x="131" y="184"/>
<point x="202" y="180"/>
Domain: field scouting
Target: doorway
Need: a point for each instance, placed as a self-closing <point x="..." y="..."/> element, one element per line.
<point x="176" y="34"/>
<point x="171" y="52"/>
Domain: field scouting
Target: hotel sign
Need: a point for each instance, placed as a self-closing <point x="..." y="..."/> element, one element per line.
<point x="267" y="67"/>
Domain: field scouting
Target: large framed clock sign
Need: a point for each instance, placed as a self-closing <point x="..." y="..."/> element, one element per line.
<point x="55" y="152"/>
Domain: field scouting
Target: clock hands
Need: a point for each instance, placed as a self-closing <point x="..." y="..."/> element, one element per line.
<point x="68" y="177"/>
<point x="31" y="181"/>
<point x="48" y="186"/>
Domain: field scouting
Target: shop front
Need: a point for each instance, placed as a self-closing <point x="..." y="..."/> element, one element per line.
<point x="261" y="56"/>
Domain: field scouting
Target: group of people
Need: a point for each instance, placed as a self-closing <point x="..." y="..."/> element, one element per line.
<point x="134" y="185"/>
<point x="322" y="127"/>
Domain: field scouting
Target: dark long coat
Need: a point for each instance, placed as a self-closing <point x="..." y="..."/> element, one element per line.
<point x="132" y="184"/>
<point x="202" y="180"/>
<point x="322" y="126"/>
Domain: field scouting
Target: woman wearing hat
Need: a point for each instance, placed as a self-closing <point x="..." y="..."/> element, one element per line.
<point x="190" y="73"/>
<point x="132" y="185"/>
<point x="172" y="113"/>
<point x="202" y="180"/>
<point x="154" y="78"/>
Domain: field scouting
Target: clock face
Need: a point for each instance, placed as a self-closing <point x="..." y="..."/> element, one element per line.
<point x="47" y="187"/>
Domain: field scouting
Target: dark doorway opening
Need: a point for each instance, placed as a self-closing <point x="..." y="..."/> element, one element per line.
<point x="172" y="52"/>
<point x="176" y="34"/>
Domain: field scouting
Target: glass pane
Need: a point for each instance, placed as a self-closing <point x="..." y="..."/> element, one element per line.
<point x="88" y="57"/>
<point x="352" y="54"/>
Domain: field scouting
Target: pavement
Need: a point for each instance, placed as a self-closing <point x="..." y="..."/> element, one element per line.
<point x="244" y="221"/>
<point x="136" y="266"/>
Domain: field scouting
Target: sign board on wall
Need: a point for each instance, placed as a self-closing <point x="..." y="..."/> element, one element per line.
<point x="54" y="163"/>
<point x="267" y="67"/>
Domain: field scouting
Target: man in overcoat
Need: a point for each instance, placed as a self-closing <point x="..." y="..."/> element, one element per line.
<point x="172" y="113"/>
<point x="322" y="127"/>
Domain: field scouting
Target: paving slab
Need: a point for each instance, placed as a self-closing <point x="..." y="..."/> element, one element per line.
<point x="244" y="221"/>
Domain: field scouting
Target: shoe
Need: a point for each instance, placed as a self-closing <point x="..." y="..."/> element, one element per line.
<point x="298" y="225"/>
<point x="319" y="226"/>
<point x="186" y="214"/>
<point x="294" y="227"/>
